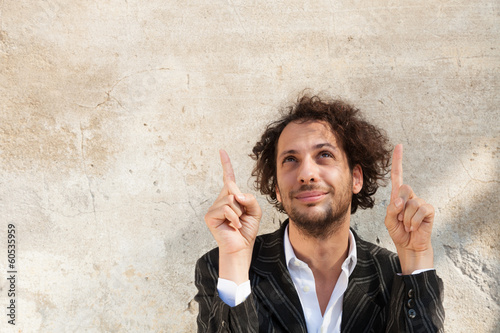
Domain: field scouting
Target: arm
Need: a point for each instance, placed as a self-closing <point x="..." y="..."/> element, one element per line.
<point x="416" y="304"/>
<point x="416" y="300"/>
<point x="233" y="220"/>
<point x="214" y="315"/>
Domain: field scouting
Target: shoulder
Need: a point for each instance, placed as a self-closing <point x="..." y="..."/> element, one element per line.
<point x="375" y="270"/>
<point x="271" y="239"/>
<point x="377" y="258"/>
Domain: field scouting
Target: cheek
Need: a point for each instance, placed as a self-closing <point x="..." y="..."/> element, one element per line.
<point x="287" y="182"/>
<point x="279" y="180"/>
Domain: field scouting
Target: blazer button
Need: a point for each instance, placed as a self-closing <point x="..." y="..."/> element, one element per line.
<point x="412" y="314"/>
<point x="410" y="304"/>
<point x="411" y="293"/>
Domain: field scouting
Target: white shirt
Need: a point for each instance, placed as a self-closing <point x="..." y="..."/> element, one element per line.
<point x="303" y="279"/>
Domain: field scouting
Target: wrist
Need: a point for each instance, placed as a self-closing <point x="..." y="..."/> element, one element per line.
<point x="235" y="266"/>
<point x="415" y="260"/>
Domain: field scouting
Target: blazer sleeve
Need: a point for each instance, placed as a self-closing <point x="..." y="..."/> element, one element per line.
<point x="416" y="304"/>
<point x="214" y="315"/>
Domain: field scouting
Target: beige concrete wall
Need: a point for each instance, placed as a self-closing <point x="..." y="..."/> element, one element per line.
<point x="112" y="113"/>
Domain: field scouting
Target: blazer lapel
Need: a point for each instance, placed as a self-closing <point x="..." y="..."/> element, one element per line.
<point x="275" y="288"/>
<point x="362" y="297"/>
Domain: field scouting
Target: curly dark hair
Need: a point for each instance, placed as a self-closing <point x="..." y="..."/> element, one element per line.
<point x="362" y="142"/>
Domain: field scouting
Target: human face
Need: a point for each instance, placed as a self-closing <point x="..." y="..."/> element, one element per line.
<point x="315" y="184"/>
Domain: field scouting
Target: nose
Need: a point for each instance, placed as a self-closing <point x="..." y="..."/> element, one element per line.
<point x="308" y="171"/>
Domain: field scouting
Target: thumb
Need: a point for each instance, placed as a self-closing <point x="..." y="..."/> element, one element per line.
<point x="394" y="209"/>
<point x="251" y="205"/>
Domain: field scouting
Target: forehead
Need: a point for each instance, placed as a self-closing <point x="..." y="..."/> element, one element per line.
<point x="300" y="135"/>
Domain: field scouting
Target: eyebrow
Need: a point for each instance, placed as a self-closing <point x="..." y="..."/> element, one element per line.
<point x="326" y="144"/>
<point x="318" y="146"/>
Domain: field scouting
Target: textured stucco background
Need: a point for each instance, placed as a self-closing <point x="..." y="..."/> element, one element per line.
<point x="113" y="111"/>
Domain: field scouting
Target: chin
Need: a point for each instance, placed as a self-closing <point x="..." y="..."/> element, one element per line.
<point x="317" y="221"/>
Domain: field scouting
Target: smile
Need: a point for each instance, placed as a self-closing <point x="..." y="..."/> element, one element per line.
<point x="311" y="196"/>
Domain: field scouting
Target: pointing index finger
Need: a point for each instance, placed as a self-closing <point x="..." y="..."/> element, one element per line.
<point x="396" y="171"/>
<point x="227" y="168"/>
<point x="228" y="174"/>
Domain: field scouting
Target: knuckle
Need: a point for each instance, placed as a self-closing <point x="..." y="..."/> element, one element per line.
<point x="412" y="203"/>
<point x="428" y="209"/>
<point x="229" y="200"/>
<point x="226" y="210"/>
<point x="210" y="217"/>
<point x="406" y="188"/>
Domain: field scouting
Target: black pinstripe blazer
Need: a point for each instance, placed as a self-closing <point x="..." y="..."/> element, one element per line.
<point x="376" y="299"/>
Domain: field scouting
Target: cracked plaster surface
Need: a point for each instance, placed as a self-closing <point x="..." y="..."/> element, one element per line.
<point x="112" y="114"/>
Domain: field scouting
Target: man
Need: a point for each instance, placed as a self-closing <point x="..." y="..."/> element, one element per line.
<point x="319" y="163"/>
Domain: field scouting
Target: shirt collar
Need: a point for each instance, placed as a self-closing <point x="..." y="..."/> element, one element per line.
<point x="349" y="263"/>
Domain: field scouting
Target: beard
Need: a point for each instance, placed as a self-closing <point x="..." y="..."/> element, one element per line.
<point x="320" y="224"/>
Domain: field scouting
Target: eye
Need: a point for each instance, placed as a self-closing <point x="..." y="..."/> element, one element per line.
<point x="326" y="154"/>
<point x="289" y="159"/>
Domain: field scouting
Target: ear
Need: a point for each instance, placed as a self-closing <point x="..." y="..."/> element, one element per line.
<point x="357" y="179"/>
<point x="278" y="195"/>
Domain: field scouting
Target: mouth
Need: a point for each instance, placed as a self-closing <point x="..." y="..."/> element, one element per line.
<point x="311" y="196"/>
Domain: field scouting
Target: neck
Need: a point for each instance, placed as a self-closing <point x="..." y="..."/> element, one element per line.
<point x="324" y="256"/>
<point x="321" y="254"/>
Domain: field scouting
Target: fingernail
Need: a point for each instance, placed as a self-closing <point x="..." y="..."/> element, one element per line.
<point x="241" y="197"/>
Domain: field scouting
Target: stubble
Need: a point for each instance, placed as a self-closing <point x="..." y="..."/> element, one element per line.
<point x="320" y="225"/>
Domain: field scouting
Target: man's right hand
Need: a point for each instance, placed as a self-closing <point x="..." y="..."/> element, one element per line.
<point x="233" y="220"/>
